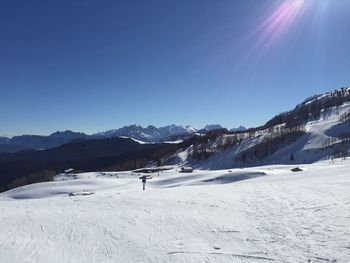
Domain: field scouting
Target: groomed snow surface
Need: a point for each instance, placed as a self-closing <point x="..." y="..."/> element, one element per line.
<point x="261" y="214"/>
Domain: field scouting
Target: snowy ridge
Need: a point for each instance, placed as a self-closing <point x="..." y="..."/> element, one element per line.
<point x="323" y="96"/>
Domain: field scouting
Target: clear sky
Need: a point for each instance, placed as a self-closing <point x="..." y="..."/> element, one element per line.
<point x="95" y="65"/>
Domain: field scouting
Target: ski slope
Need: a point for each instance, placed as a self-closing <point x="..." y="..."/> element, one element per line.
<point x="309" y="148"/>
<point x="261" y="214"/>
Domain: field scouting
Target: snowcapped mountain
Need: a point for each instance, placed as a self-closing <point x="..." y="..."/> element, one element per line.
<point x="132" y="131"/>
<point x="239" y="129"/>
<point x="210" y="127"/>
<point x="150" y="133"/>
<point x="190" y="129"/>
<point x="137" y="132"/>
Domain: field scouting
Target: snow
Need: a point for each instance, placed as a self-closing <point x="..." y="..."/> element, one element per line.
<point x="260" y="214"/>
<point x="308" y="148"/>
<point x="135" y="140"/>
<point x="322" y="96"/>
<point x="142" y="142"/>
<point x="148" y="134"/>
<point x="181" y="157"/>
<point x="173" y="142"/>
<point x="190" y="129"/>
<point x="212" y="127"/>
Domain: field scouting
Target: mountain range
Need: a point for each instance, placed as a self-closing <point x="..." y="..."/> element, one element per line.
<point x="316" y="129"/>
<point x="150" y="134"/>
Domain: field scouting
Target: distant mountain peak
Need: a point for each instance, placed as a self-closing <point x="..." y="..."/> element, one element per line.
<point x="190" y="129"/>
<point x="4" y="140"/>
<point x="212" y="127"/>
<point x="67" y="133"/>
<point x="148" y="134"/>
<point x="240" y="128"/>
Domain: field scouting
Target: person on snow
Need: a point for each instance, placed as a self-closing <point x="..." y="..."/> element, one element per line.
<point x="144" y="179"/>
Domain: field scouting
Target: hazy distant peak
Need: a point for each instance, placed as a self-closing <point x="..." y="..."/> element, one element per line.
<point x="190" y="129"/>
<point x="212" y="127"/>
<point x="3" y="140"/>
<point x="240" y="128"/>
<point x="67" y="133"/>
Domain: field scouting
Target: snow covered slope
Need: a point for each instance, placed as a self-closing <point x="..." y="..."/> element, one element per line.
<point x="261" y="214"/>
<point x="309" y="148"/>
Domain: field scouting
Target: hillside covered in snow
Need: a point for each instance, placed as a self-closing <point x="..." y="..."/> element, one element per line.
<point x="318" y="129"/>
<point x="260" y="214"/>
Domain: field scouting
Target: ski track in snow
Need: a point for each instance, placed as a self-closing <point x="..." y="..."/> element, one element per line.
<point x="279" y="217"/>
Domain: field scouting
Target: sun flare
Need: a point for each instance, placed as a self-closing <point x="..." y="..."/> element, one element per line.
<point x="280" y="21"/>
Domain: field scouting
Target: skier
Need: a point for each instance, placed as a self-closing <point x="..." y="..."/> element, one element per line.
<point x="144" y="178"/>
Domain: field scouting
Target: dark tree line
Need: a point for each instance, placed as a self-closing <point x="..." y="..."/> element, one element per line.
<point x="205" y="149"/>
<point x="268" y="147"/>
<point x="345" y="117"/>
<point x="30" y="169"/>
<point x="341" y="149"/>
<point x="36" y="177"/>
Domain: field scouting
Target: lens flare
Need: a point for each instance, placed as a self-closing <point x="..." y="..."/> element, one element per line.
<point x="281" y="20"/>
<point x="272" y="29"/>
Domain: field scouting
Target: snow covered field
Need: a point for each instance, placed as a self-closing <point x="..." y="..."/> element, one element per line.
<point x="261" y="214"/>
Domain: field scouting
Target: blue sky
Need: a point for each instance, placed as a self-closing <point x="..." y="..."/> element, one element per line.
<point x="96" y="65"/>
